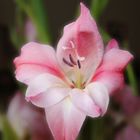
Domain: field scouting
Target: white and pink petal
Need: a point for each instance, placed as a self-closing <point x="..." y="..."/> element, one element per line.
<point x="84" y="102"/>
<point x="114" y="58"/>
<point x="36" y="59"/>
<point x="110" y="71"/>
<point x="50" y="97"/>
<point x="99" y="94"/>
<point x="112" y="44"/>
<point x="113" y="81"/>
<point x="65" y="120"/>
<point x="46" y="90"/>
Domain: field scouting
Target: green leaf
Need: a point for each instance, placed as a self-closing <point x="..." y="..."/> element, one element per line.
<point x="105" y="35"/>
<point x="97" y="129"/>
<point x="7" y="132"/>
<point x="131" y="74"/>
<point x="40" y="18"/>
<point x="97" y="7"/>
<point x="35" y="10"/>
<point x="17" y="32"/>
<point x="132" y="79"/>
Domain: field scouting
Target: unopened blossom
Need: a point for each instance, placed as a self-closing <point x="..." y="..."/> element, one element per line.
<point x="26" y="120"/>
<point x="76" y="80"/>
<point x="30" y="31"/>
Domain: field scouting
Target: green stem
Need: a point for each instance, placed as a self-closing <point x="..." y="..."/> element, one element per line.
<point x="36" y="12"/>
<point x="132" y="79"/>
<point x="40" y="20"/>
<point x="17" y="33"/>
<point x="97" y="129"/>
<point x="97" y="7"/>
<point x="105" y="35"/>
<point x="131" y="74"/>
<point x="7" y="131"/>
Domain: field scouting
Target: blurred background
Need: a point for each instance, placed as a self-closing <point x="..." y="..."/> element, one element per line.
<point x="118" y="19"/>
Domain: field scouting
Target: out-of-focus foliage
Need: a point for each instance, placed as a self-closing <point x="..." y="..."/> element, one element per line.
<point x="97" y="7"/>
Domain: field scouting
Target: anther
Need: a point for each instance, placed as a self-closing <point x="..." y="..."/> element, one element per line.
<point x="68" y="63"/>
<point x="72" y="60"/>
<point x="72" y="86"/>
<point x="79" y="64"/>
<point x="73" y="82"/>
<point x="83" y="84"/>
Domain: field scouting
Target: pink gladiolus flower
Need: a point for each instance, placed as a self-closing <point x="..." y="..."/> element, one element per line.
<point x="129" y="103"/>
<point x="128" y="133"/>
<point x="76" y="81"/>
<point x="25" y="120"/>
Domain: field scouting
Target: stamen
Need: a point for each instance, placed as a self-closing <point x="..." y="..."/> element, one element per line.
<point x="68" y="63"/>
<point x="79" y="64"/>
<point x="83" y="84"/>
<point x="72" y="44"/>
<point x="77" y="55"/>
<point x="72" y="60"/>
<point x="73" y="82"/>
<point x="72" y="86"/>
<point x="66" y="48"/>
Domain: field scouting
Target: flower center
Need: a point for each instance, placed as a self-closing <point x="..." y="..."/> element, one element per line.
<point x="74" y="61"/>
